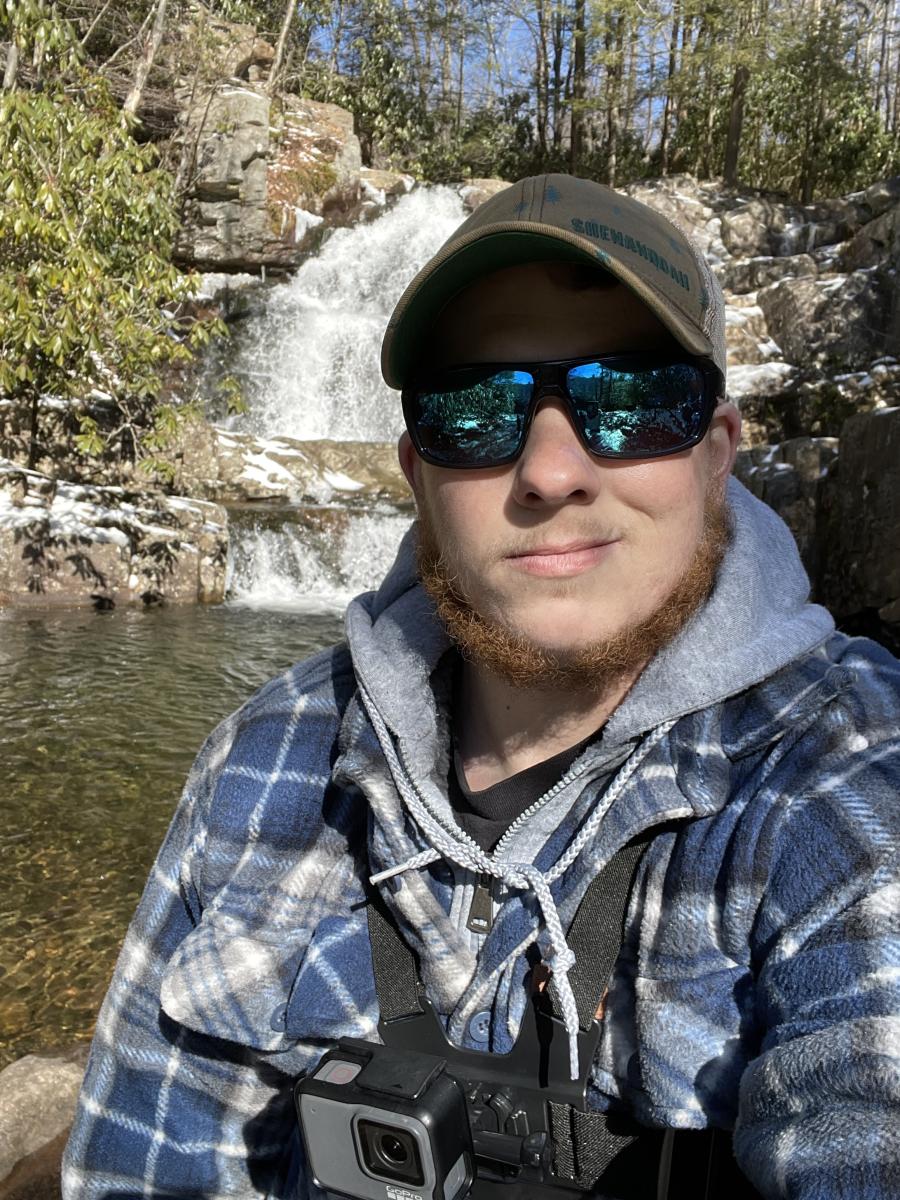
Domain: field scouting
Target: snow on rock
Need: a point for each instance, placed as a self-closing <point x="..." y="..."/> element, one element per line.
<point x="73" y="544"/>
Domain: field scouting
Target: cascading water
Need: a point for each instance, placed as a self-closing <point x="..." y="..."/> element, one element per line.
<point x="308" y="363"/>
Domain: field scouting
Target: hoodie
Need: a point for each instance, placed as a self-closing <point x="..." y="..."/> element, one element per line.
<point x="757" y="986"/>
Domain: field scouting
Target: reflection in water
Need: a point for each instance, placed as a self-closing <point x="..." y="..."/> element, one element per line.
<point x="102" y="716"/>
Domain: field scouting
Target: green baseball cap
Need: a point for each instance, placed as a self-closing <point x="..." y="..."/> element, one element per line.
<point x="562" y="218"/>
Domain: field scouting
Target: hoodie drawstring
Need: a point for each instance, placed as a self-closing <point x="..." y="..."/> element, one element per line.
<point x="453" y="844"/>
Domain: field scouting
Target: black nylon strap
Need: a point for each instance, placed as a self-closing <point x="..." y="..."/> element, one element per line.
<point x="396" y="969"/>
<point x="588" y="1144"/>
<point x="595" y="935"/>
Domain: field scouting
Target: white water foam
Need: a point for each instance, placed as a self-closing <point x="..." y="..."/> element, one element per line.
<point x="301" y="568"/>
<point x="309" y="362"/>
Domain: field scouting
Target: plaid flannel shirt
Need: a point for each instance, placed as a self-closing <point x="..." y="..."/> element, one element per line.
<point x="757" y="986"/>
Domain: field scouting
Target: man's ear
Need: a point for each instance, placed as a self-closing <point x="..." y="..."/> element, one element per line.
<point x="410" y="463"/>
<point x="724" y="436"/>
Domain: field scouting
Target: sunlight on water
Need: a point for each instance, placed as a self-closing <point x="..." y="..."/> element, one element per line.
<point x="313" y="560"/>
<point x="309" y="360"/>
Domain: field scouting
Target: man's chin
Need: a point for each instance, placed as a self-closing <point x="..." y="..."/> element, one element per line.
<point x="534" y="659"/>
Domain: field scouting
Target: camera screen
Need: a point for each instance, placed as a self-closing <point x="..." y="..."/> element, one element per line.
<point x="389" y="1152"/>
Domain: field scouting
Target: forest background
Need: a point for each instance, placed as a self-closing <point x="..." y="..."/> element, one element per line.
<point x="795" y="99"/>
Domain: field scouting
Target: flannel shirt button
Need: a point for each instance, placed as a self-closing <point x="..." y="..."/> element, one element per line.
<point x="279" y="1017"/>
<point x="480" y="1027"/>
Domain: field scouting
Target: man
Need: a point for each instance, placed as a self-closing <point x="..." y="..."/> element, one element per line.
<point x="610" y="638"/>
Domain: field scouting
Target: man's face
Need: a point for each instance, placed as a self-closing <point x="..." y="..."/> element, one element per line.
<point x="562" y="549"/>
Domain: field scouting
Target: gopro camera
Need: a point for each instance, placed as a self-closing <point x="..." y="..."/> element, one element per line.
<point x="383" y="1125"/>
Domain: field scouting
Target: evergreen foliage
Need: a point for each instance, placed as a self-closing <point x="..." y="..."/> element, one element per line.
<point x="89" y="298"/>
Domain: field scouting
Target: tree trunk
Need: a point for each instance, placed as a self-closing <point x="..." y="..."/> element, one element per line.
<point x="278" y="60"/>
<point x="735" y="124"/>
<point x="33" y="432"/>
<point x="669" y="104"/>
<point x="576" y="145"/>
<point x="12" y="67"/>
<point x="145" y="63"/>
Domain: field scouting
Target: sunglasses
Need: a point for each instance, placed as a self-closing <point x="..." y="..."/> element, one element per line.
<point x="623" y="406"/>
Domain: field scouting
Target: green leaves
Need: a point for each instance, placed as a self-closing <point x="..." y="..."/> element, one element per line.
<point x="88" y="296"/>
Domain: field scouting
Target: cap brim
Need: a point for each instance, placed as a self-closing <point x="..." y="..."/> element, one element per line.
<point x="409" y="330"/>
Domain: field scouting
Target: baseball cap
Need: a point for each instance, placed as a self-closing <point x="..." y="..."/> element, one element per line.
<point x="564" y="218"/>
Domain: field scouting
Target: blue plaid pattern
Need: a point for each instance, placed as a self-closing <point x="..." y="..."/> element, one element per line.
<point x="757" y="988"/>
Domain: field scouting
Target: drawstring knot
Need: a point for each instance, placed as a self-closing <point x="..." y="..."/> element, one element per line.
<point x="451" y="843"/>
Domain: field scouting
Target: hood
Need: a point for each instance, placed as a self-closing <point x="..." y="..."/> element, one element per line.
<point x="757" y="620"/>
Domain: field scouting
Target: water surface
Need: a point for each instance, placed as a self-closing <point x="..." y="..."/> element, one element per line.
<point x="102" y="714"/>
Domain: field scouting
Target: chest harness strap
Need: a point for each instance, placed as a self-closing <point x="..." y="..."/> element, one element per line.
<point x="605" y="1155"/>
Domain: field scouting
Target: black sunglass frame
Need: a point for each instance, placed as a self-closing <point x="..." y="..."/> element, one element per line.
<point x="550" y="380"/>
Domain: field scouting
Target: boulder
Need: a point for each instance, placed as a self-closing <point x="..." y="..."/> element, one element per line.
<point x="474" y="192"/>
<point x="314" y="168"/>
<point x="71" y="544"/>
<point x="749" y="274"/>
<point x="836" y="320"/>
<point x="693" y="206"/>
<point x="379" y="189"/>
<point x="236" y="468"/>
<point x="37" y="1104"/>
<point x="206" y="48"/>
<point x="262" y="182"/>
<point x="788" y="477"/>
<point x="859" y="534"/>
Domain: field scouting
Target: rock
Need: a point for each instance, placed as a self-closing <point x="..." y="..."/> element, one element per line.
<point x="207" y="47"/>
<point x="881" y="196"/>
<point x="876" y="244"/>
<point x="82" y="545"/>
<point x="236" y="468"/>
<point x="838" y="320"/>
<point x="859" y="534"/>
<point x="37" y="1176"/>
<point x="379" y="189"/>
<point x="749" y="274"/>
<point x="746" y="333"/>
<point x="314" y="168"/>
<point x="474" y="192"/>
<point x="37" y="1104"/>
<point x="693" y="206"/>
<point x="788" y="477"/>
<point x="265" y="183"/>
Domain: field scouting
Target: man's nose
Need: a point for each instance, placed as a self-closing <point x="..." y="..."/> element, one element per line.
<point x="554" y="466"/>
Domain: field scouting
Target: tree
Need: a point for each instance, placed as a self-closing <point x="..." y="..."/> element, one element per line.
<point x="88" y="296"/>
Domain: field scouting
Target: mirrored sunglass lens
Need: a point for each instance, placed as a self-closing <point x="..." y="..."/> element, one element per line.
<point x="474" y="419"/>
<point x="649" y="410"/>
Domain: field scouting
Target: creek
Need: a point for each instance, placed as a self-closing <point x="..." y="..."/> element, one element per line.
<point x="105" y="711"/>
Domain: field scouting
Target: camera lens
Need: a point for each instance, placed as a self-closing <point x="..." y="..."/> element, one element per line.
<point x="392" y="1150"/>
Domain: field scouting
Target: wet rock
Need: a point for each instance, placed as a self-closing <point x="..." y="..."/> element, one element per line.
<point x="264" y="183"/>
<point x="837" y="321"/>
<point x="379" y="189"/>
<point x="475" y="191"/>
<point x="750" y="274"/>
<point x="37" y="1104"/>
<point x="788" y="477"/>
<point x="859" y="533"/>
<point x="236" y="468"/>
<point x="72" y="544"/>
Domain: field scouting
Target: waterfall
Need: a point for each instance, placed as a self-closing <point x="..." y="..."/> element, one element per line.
<point x="312" y="559"/>
<point x="308" y="361"/>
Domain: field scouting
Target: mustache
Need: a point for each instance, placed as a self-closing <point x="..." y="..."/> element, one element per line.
<point x="543" y="541"/>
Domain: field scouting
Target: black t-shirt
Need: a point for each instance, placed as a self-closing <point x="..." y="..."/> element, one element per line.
<point x="486" y="815"/>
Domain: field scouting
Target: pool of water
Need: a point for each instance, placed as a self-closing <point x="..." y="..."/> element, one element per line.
<point x="101" y="715"/>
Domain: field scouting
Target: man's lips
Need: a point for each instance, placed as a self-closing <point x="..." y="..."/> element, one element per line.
<point x="561" y="559"/>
